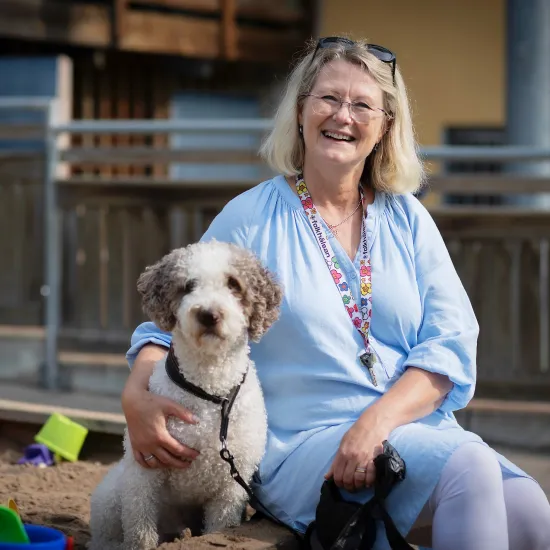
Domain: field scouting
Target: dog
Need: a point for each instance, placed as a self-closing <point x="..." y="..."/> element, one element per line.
<point x="214" y="297"/>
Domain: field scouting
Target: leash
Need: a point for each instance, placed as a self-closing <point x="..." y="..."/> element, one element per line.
<point x="174" y="373"/>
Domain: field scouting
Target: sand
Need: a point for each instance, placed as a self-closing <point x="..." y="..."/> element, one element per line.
<point x="59" y="496"/>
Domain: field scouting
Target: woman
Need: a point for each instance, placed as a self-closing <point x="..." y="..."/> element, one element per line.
<point x="336" y="385"/>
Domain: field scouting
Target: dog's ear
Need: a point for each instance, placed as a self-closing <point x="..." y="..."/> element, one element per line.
<point x="158" y="286"/>
<point x="262" y="294"/>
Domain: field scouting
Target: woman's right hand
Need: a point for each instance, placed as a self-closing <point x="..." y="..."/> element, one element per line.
<point x="146" y="414"/>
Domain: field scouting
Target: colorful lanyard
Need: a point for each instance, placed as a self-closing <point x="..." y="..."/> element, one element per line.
<point x="359" y="317"/>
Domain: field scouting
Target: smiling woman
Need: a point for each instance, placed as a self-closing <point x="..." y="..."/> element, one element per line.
<point x="377" y="338"/>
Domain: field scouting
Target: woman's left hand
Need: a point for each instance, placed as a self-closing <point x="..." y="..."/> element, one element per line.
<point x="353" y="466"/>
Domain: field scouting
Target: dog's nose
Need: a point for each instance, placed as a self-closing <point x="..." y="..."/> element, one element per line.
<point x="208" y="318"/>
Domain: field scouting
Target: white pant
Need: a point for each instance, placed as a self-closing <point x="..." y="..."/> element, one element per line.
<point x="473" y="508"/>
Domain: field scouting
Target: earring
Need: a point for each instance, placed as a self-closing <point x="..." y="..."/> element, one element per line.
<point x="301" y="129"/>
<point x="375" y="148"/>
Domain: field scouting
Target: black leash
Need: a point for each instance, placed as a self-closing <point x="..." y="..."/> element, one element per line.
<point x="175" y="374"/>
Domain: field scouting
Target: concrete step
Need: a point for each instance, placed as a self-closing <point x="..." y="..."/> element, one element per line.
<point x="22" y="359"/>
<point x="102" y="373"/>
<point x="33" y="405"/>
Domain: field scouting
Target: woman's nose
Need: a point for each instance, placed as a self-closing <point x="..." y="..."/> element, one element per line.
<point x="343" y="114"/>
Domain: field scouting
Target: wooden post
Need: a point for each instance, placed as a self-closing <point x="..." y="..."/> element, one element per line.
<point x="229" y="30"/>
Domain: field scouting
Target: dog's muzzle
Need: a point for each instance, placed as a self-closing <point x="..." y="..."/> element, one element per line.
<point x="209" y="320"/>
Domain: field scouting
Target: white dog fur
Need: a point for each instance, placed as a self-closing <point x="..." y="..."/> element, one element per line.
<point x="134" y="508"/>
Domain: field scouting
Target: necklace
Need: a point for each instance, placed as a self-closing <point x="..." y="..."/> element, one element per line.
<point x="333" y="228"/>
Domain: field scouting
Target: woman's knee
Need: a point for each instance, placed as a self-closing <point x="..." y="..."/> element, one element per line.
<point x="528" y="513"/>
<point x="473" y="471"/>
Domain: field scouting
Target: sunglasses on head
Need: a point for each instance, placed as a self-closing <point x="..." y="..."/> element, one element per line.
<point x="381" y="53"/>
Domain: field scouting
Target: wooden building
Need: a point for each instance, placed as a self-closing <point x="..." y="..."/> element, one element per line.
<point x="120" y="59"/>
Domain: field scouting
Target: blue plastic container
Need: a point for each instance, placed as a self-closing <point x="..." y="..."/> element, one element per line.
<point x="42" y="538"/>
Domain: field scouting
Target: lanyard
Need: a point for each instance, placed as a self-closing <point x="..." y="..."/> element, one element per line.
<point x="360" y="316"/>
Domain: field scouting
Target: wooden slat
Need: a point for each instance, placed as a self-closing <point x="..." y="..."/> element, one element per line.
<point x="148" y="183"/>
<point x="161" y="33"/>
<point x="53" y="20"/>
<point x="121" y="7"/>
<point x="92" y="359"/>
<point x="138" y="111"/>
<point x="483" y="184"/>
<point x="24" y="332"/>
<point x="229" y="33"/>
<point x="149" y="155"/>
<point x="21" y="131"/>
<point x="25" y="167"/>
<point x="122" y="110"/>
<point x="128" y="284"/>
<point x="162" y="91"/>
<point x="105" y="113"/>
<point x="511" y="406"/>
<point x="103" y="269"/>
<point x="88" y="104"/>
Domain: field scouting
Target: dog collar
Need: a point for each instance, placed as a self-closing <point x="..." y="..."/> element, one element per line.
<point x="174" y="373"/>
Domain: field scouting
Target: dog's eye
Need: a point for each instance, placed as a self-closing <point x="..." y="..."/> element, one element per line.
<point x="188" y="287"/>
<point x="234" y="284"/>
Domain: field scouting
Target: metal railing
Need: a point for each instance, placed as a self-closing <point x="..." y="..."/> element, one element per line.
<point x="55" y="155"/>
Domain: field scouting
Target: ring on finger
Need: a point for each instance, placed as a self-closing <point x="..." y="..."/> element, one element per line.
<point x="148" y="458"/>
<point x="360" y="470"/>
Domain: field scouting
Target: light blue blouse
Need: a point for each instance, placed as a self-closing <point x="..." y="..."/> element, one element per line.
<point x="314" y="384"/>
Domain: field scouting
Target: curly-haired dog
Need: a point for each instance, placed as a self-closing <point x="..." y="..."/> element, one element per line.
<point x="214" y="297"/>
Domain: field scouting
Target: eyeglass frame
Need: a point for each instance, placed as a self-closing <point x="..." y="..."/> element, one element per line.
<point x="374" y="49"/>
<point x="350" y="103"/>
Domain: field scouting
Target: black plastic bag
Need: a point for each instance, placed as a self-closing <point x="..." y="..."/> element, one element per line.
<point x="344" y="525"/>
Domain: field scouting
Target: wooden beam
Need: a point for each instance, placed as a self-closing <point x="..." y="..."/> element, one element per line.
<point x="229" y="34"/>
<point x="257" y="10"/>
<point x="156" y="32"/>
<point x="53" y="20"/>
<point x="178" y="35"/>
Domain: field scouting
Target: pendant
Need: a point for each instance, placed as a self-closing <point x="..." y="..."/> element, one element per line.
<point x="368" y="360"/>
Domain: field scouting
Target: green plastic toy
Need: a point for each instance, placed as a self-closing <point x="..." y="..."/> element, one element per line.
<point x="11" y="527"/>
<point x="62" y="436"/>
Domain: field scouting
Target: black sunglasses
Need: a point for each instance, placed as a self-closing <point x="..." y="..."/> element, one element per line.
<point x="381" y="53"/>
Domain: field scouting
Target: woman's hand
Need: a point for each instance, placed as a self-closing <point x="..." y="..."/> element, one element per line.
<point x="146" y="414"/>
<point x="353" y="466"/>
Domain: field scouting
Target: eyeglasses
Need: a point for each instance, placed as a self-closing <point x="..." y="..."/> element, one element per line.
<point x="361" y="112"/>
<point x="381" y="53"/>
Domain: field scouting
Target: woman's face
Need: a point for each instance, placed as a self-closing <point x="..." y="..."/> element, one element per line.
<point x="337" y="138"/>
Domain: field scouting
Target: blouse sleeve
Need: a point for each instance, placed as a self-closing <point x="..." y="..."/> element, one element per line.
<point x="447" y="337"/>
<point x="230" y="225"/>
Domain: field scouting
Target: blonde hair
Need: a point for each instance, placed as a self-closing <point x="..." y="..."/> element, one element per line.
<point x="394" y="166"/>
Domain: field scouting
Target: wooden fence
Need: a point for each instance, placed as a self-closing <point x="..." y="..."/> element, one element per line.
<point x="111" y="228"/>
